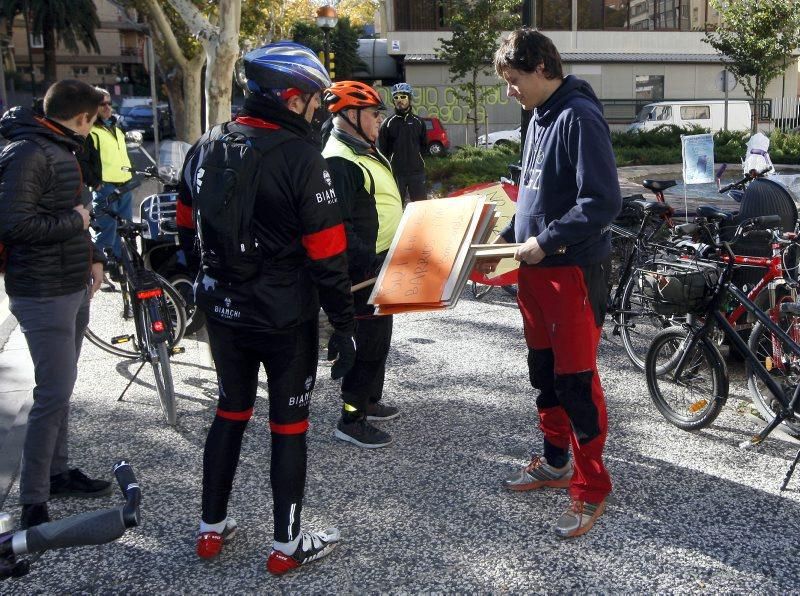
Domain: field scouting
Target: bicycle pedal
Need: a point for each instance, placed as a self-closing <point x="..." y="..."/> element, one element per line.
<point x="121" y="339"/>
<point x="178" y="350"/>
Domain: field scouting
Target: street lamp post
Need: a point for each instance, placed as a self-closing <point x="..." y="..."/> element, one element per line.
<point x="326" y="20"/>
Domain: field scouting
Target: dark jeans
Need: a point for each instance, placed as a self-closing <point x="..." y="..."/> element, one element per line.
<point x="53" y="328"/>
<point x="414" y="184"/>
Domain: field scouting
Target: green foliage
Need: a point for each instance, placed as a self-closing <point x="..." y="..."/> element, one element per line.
<point x="470" y="165"/>
<point x="756" y="40"/>
<point x="344" y="45"/>
<point x="476" y="26"/>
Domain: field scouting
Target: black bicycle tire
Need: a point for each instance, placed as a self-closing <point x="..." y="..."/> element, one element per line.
<point x="511" y="290"/>
<point x="108" y="347"/>
<point x="719" y="375"/>
<point x="179" y="327"/>
<point x="195" y="318"/>
<point x="164" y="383"/>
<point x="631" y="286"/>
<point x="761" y="402"/>
<point x="479" y="293"/>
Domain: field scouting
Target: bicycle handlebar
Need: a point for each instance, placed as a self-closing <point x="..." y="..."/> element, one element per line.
<point x="93" y="527"/>
<point x="747" y="178"/>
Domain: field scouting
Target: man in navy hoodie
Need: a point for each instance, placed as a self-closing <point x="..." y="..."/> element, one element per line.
<point x="568" y="195"/>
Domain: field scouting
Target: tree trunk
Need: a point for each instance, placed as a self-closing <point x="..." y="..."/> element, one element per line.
<point x="192" y="90"/>
<point x="756" y="107"/>
<point x="221" y="59"/>
<point x="475" y="103"/>
<point x="49" y="42"/>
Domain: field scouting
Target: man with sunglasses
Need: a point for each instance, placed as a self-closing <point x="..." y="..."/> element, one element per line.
<point x="104" y="158"/>
<point x="403" y="139"/>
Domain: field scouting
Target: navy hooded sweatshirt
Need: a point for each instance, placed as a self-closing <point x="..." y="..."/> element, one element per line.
<point x="569" y="191"/>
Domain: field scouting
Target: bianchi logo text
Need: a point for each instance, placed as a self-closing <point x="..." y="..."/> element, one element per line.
<point x="226" y="312"/>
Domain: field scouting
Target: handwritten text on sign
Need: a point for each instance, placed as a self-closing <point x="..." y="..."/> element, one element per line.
<point x="426" y="251"/>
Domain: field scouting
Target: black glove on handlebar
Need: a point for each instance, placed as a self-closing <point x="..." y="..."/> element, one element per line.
<point x="342" y="350"/>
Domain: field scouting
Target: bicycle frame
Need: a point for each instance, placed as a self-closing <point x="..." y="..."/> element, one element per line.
<point x="717" y="319"/>
<point x="140" y="297"/>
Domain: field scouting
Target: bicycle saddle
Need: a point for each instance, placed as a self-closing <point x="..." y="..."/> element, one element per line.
<point x="659" y="185"/>
<point x="653" y="207"/>
<point x="714" y="213"/>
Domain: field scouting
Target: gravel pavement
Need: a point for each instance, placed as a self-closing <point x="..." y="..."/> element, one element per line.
<point x="691" y="513"/>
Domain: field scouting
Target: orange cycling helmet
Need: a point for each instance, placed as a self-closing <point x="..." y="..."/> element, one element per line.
<point x="344" y="95"/>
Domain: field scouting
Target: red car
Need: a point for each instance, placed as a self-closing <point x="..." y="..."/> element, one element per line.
<point x="438" y="143"/>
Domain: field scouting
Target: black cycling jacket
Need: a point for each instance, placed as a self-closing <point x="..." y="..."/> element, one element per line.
<point x="403" y="139"/>
<point x="299" y="227"/>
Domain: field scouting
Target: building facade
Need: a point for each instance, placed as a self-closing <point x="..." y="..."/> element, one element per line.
<point x="631" y="51"/>
<point x="118" y="67"/>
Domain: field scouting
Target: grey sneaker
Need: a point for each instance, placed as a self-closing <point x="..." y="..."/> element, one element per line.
<point x="578" y="518"/>
<point x="539" y="474"/>
<point x="380" y="411"/>
<point x="362" y="433"/>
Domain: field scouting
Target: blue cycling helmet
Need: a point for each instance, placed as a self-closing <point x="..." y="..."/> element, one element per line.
<point x="284" y="65"/>
<point x="402" y="88"/>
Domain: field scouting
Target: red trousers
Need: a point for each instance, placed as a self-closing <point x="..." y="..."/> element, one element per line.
<point x="562" y="336"/>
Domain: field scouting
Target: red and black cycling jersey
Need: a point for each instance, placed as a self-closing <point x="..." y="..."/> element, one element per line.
<point x="299" y="227"/>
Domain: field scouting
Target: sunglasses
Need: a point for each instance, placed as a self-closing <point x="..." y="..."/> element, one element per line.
<point x="105" y="103"/>
<point x="401" y="96"/>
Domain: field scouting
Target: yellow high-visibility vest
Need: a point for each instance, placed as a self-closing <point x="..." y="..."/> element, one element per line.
<point x="378" y="182"/>
<point x="113" y="153"/>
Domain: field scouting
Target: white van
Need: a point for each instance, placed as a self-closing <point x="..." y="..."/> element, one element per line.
<point x="704" y="113"/>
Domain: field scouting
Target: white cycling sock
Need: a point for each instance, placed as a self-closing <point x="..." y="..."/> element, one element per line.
<point x="218" y="527"/>
<point x="287" y="548"/>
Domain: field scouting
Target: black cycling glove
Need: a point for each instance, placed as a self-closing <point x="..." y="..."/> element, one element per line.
<point x="342" y="350"/>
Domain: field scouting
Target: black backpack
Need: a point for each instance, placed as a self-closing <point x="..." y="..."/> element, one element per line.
<point x="224" y="191"/>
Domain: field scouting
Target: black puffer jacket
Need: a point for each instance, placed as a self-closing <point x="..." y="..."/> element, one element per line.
<point x="49" y="252"/>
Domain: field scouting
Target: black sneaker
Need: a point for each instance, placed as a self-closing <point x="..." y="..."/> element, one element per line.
<point x="77" y="484"/>
<point x="380" y="411"/>
<point x="362" y="433"/>
<point x="313" y="546"/>
<point x="33" y="515"/>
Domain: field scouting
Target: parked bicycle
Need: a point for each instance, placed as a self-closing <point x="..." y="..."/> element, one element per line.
<point x="95" y="527"/>
<point x="144" y="319"/>
<point x="687" y="377"/>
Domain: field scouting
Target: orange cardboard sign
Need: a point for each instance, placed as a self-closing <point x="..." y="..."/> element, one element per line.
<point x="425" y="249"/>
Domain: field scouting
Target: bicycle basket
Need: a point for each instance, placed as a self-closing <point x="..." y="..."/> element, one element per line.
<point x="677" y="288"/>
<point x="159" y="212"/>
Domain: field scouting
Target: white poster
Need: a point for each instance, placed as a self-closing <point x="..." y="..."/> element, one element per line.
<point x="698" y="158"/>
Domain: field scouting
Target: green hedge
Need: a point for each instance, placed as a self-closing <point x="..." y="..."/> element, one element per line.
<point x="663" y="146"/>
<point x="470" y="165"/>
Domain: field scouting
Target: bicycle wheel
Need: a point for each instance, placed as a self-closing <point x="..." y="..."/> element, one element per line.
<point x="479" y="290"/>
<point x="112" y="327"/>
<point x="638" y="324"/>
<point x="195" y="318"/>
<point x="159" y="360"/>
<point x="511" y="290"/>
<point x="694" y="399"/>
<point x="783" y="367"/>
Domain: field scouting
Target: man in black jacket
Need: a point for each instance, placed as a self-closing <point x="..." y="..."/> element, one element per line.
<point x="403" y="139"/>
<point x="50" y="262"/>
<point x="271" y="318"/>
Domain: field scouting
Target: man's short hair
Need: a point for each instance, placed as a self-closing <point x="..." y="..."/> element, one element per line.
<point x="68" y="98"/>
<point x="105" y="92"/>
<point x="525" y="49"/>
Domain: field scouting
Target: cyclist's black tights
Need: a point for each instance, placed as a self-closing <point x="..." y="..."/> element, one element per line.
<point x="290" y="359"/>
